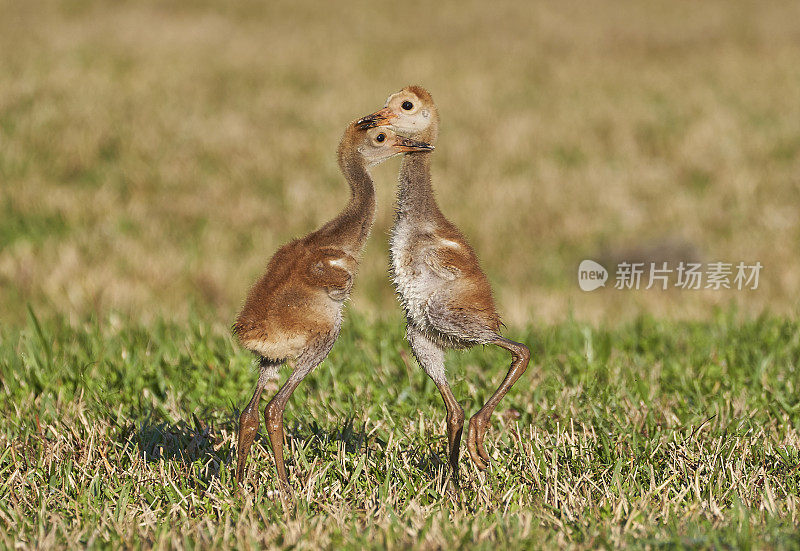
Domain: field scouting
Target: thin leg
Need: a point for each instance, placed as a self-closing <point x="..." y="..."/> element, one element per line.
<point x="479" y="422"/>
<point x="248" y="422"/>
<point x="431" y="358"/>
<point x="455" y="426"/>
<point x="273" y="414"/>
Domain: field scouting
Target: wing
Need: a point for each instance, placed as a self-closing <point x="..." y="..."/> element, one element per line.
<point x="449" y="259"/>
<point x="333" y="269"/>
<point x="439" y="265"/>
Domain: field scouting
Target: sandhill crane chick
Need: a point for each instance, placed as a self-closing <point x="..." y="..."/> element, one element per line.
<point x="446" y="296"/>
<point x="294" y="311"/>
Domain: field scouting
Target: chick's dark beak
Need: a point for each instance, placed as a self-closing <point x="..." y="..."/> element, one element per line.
<point x="408" y="145"/>
<point x="384" y="117"/>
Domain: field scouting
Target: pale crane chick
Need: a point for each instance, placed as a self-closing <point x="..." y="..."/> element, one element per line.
<point x="446" y="296"/>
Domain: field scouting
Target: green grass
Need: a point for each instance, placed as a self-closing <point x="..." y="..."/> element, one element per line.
<point x="652" y="434"/>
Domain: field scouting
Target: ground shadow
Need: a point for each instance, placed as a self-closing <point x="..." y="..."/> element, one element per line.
<point x="194" y="443"/>
<point x="199" y="447"/>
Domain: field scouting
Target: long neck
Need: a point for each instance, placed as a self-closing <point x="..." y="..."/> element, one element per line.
<point x="351" y="228"/>
<point x="415" y="198"/>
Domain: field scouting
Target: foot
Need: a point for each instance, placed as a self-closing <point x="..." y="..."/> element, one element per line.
<point x="248" y="428"/>
<point x="286" y="494"/>
<point x="475" y="434"/>
<point x="455" y="425"/>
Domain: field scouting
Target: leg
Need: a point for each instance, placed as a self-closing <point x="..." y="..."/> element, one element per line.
<point x="273" y="414"/>
<point x="480" y="421"/>
<point x="248" y="422"/>
<point x="431" y="358"/>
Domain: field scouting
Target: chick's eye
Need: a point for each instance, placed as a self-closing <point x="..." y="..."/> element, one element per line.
<point x="380" y="137"/>
<point x="407" y="105"/>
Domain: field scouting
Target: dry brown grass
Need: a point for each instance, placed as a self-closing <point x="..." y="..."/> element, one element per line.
<point x="153" y="155"/>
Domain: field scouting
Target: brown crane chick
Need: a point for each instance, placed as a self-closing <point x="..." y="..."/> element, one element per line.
<point x="294" y="311"/>
<point x="446" y="296"/>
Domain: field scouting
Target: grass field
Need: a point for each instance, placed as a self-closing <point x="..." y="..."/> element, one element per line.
<point x="654" y="434"/>
<point x="154" y="154"/>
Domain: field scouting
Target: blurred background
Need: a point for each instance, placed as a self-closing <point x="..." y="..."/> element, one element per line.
<point x="153" y="155"/>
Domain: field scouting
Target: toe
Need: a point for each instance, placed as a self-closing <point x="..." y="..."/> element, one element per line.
<point x="477" y="431"/>
<point x="240" y="471"/>
<point x="482" y="453"/>
<point x="481" y="448"/>
<point x="473" y="454"/>
<point x="472" y="447"/>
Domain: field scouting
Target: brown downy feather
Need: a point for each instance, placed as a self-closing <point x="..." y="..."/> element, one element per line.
<point x="299" y="296"/>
